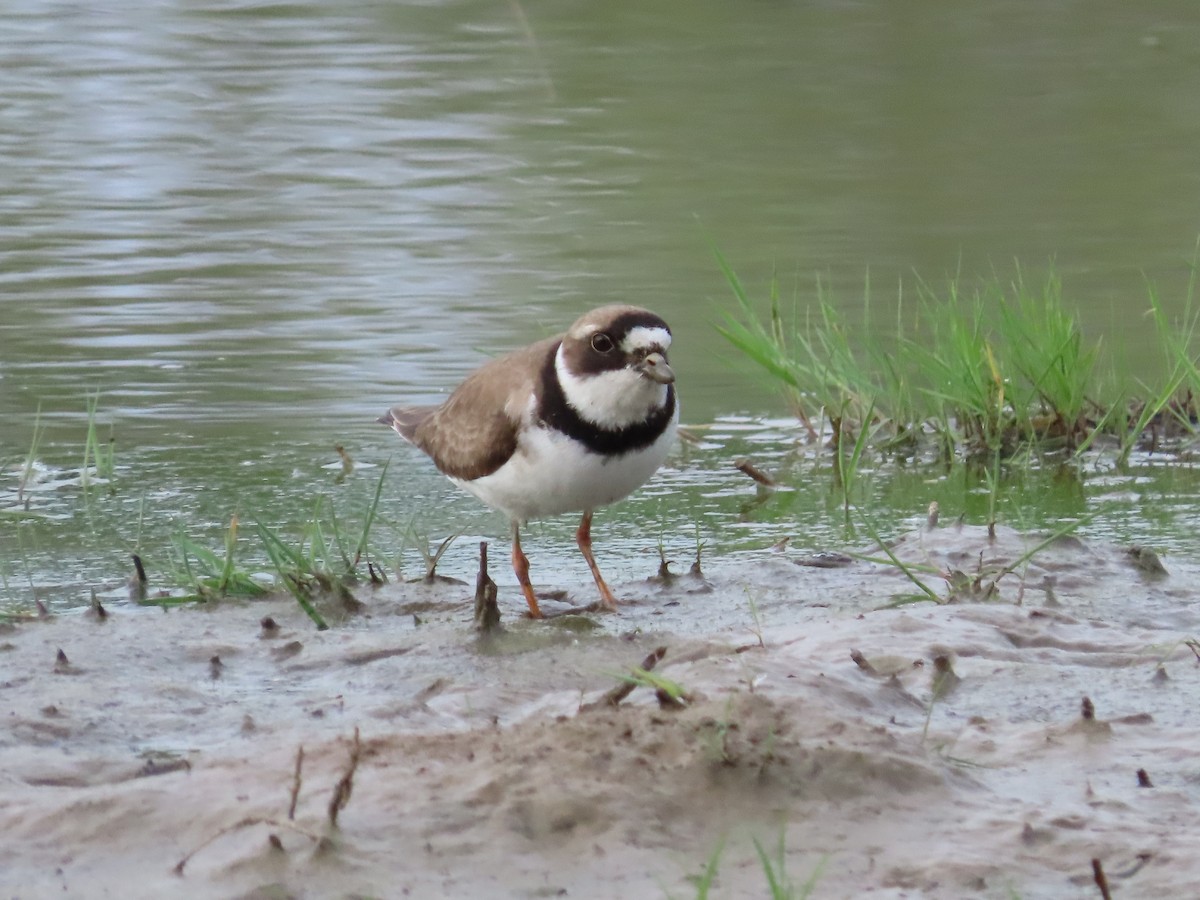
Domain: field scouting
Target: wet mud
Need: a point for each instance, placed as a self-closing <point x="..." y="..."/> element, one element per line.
<point x="912" y="750"/>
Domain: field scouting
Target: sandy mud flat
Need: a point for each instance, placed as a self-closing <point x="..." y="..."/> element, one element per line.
<point x="923" y="751"/>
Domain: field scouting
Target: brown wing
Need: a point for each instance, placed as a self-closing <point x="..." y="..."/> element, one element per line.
<point x="474" y="432"/>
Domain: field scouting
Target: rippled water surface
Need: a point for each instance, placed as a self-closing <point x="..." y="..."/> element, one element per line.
<point x="248" y="228"/>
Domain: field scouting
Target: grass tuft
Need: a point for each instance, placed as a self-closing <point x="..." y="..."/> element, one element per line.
<point x="985" y="373"/>
<point x="209" y="575"/>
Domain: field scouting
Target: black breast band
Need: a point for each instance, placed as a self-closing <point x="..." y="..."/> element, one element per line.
<point x="555" y="412"/>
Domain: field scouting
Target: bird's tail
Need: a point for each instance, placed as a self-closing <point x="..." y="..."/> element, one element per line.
<point x="406" y="419"/>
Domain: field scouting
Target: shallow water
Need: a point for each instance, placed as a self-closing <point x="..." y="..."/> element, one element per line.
<point x="698" y="498"/>
<point x="248" y="229"/>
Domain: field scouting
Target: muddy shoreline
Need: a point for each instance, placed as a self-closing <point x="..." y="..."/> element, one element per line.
<point x="157" y="738"/>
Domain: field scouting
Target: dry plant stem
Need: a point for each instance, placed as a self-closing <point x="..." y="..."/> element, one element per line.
<point x="1101" y="880"/>
<point x="862" y="662"/>
<point x="296" y="782"/>
<point x="432" y="561"/>
<point x="137" y="587"/>
<point x="237" y="826"/>
<point x="752" y="471"/>
<point x="345" y="785"/>
<point x="487" y="610"/>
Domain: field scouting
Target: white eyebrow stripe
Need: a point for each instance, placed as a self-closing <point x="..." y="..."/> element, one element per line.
<point x="641" y="337"/>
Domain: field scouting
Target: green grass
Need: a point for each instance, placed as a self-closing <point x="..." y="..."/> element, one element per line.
<point x="982" y="585"/>
<point x="984" y="373"/>
<point x="780" y="885"/>
<point x="99" y="457"/>
<point x="322" y="563"/>
<point x="704" y="881"/>
<point x="778" y="881"/>
<point x="31" y="457"/>
<point x="210" y="575"/>
<point x="296" y="571"/>
<point x="640" y="677"/>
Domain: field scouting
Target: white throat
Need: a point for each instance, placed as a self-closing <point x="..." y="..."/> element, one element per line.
<point x="611" y="400"/>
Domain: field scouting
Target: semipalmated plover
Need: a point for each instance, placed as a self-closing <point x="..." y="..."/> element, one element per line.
<point x="568" y="424"/>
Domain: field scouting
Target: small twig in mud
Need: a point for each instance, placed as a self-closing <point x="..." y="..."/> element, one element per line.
<point x="1146" y="561"/>
<point x="1101" y="880"/>
<point x="752" y="471"/>
<point x="695" y="570"/>
<point x="345" y="785"/>
<point x="487" y="610"/>
<point x="347" y="462"/>
<point x="137" y="586"/>
<point x="945" y="679"/>
<point x="664" y="575"/>
<point x="614" y="696"/>
<point x="236" y="826"/>
<point x="1193" y="645"/>
<point x="863" y="663"/>
<point x="1087" y="709"/>
<point x="432" y="559"/>
<point x="756" y="619"/>
<point x="296" y="782"/>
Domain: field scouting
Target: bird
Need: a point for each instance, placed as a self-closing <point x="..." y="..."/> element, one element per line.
<point x="567" y="424"/>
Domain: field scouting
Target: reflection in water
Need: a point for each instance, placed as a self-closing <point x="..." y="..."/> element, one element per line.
<point x="251" y="228"/>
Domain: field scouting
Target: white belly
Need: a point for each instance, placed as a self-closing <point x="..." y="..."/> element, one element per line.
<point x="550" y="474"/>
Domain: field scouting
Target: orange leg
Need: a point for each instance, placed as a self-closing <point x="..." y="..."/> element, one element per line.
<point x="521" y="568"/>
<point x="583" y="537"/>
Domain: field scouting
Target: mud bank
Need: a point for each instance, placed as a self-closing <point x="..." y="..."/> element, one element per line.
<point x="922" y="751"/>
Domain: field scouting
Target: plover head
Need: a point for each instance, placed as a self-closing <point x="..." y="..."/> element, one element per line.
<point x="612" y="365"/>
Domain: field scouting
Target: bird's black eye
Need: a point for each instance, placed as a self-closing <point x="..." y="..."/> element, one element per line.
<point x="602" y="343"/>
